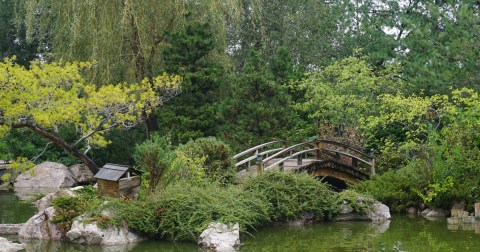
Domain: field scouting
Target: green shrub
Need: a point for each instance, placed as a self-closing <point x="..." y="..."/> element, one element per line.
<point x="391" y="188"/>
<point x="187" y="210"/>
<point x="292" y="194"/>
<point x="183" y="211"/>
<point x="155" y="157"/>
<point x="142" y="216"/>
<point x="68" y="208"/>
<point x="214" y="156"/>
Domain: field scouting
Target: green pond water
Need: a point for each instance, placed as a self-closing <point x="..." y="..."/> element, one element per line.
<point x="402" y="233"/>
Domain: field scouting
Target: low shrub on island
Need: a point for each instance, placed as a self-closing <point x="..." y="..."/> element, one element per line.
<point x="183" y="210"/>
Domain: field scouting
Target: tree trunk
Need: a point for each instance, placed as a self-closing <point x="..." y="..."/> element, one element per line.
<point x="92" y="166"/>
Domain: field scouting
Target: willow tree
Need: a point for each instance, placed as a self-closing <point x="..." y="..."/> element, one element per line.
<point x="124" y="37"/>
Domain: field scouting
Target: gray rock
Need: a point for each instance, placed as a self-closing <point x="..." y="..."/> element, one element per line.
<point x="379" y="212"/>
<point x="346" y="208"/>
<point x="46" y="174"/>
<point x="10" y="229"/>
<point x="220" y="237"/>
<point x="8" y="246"/>
<point x="425" y="212"/>
<point x="436" y="213"/>
<point x="91" y="234"/>
<point x="81" y="174"/>
<point x="411" y="210"/>
<point x="41" y="226"/>
<point x="46" y="201"/>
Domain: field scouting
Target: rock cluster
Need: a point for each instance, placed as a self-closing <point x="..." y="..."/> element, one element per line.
<point x="54" y="175"/>
<point x="90" y="233"/>
<point x="220" y="237"/>
<point x="377" y="212"/>
<point x="42" y="227"/>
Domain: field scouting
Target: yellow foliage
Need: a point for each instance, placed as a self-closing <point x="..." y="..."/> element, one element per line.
<point x="49" y="95"/>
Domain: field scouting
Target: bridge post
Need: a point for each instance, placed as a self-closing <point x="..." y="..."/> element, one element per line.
<point x="319" y="150"/>
<point x="259" y="164"/>
<point x="372" y="171"/>
<point x="372" y="155"/>
<point x="299" y="160"/>
<point x="354" y="162"/>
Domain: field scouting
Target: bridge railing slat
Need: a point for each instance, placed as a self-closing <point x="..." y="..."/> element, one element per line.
<point x="299" y="153"/>
<point x="256" y="148"/>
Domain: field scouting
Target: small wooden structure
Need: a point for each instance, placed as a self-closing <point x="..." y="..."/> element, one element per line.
<point x="115" y="180"/>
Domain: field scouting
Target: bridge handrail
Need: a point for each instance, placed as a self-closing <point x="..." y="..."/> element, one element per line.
<point x="346" y="147"/>
<point x="254" y="156"/>
<point x="257" y="147"/>
<point x="348" y="154"/>
<point x="291" y="156"/>
<point x="286" y="150"/>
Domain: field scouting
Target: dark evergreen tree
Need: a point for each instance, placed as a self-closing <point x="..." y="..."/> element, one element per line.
<point x="257" y="108"/>
<point x="192" y="114"/>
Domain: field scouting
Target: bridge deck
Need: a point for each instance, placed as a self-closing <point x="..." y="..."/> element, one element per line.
<point x="289" y="165"/>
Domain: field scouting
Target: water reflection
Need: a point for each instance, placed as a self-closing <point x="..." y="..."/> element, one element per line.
<point x="13" y="210"/>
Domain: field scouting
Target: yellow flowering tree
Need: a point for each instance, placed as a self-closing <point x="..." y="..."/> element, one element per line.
<point x="47" y="96"/>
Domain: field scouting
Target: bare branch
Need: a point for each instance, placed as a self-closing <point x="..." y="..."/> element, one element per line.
<point x="41" y="153"/>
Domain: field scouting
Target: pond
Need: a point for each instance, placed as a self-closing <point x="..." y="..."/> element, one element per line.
<point x="402" y="233"/>
<point x="13" y="210"/>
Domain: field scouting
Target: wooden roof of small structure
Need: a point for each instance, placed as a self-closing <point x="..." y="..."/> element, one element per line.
<point x="112" y="172"/>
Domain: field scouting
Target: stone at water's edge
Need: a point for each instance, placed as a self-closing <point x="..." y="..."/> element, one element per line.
<point x="41" y="226"/>
<point x="425" y="212"/>
<point x="477" y="210"/>
<point x="436" y="213"/>
<point x="8" y="246"/>
<point x="46" y="174"/>
<point x="91" y="234"/>
<point x="9" y="229"/>
<point x="379" y="212"/>
<point x="220" y="237"/>
<point x="411" y="210"/>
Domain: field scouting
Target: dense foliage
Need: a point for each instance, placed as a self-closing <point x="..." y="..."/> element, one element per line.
<point x="290" y="195"/>
<point x="400" y="77"/>
<point x="182" y="211"/>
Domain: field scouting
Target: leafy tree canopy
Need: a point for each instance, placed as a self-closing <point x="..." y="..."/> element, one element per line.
<point x="46" y="97"/>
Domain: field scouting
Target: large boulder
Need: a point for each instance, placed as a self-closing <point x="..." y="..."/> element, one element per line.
<point x="41" y="226"/>
<point x="379" y="212"/>
<point x="81" y="174"/>
<point x="220" y="237"/>
<point x="91" y="234"/>
<point x="46" y="175"/>
<point x="8" y="246"/>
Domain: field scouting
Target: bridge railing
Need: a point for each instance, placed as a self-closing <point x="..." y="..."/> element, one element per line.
<point x="299" y="155"/>
<point x="320" y="149"/>
<point x="261" y="150"/>
<point x="337" y="150"/>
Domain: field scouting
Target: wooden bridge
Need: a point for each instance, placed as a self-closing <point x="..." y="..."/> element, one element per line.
<point x="331" y="160"/>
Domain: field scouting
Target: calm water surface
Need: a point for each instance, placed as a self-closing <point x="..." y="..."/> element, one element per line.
<point x="402" y="233"/>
